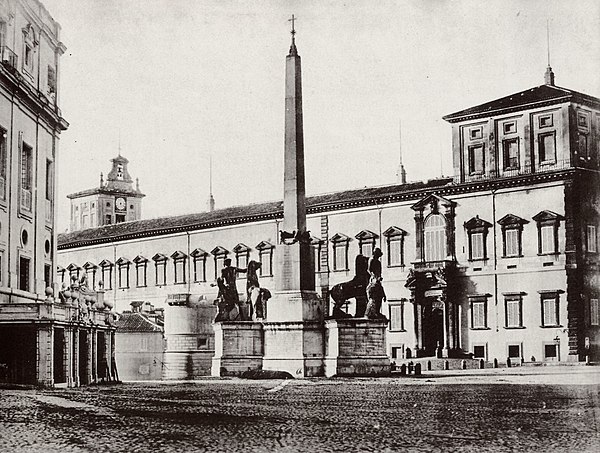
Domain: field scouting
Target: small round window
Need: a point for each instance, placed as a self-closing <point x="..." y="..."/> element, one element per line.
<point x="24" y="237"/>
<point x="47" y="246"/>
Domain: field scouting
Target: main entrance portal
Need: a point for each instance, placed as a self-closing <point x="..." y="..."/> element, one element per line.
<point x="433" y="328"/>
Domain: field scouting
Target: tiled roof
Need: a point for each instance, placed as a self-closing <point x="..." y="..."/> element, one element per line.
<point x="107" y="191"/>
<point x="248" y="213"/>
<point x="136" y="322"/>
<point x="537" y="96"/>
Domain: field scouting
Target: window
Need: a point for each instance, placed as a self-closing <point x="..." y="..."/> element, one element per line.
<point x="551" y="351"/>
<point x="242" y="255"/>
<point x="51" y="80"/>
<point x="479" y="352"/>
<point x="318" y="249"/>
<point x="512" y="228"/>
<point x="396" y="316"/>
<point x="435" y="238"/>
<point x="123" y="265"/>
<point x="219" y="254"/>
<point x="477" y="230"/>
<point x="47" y="276"/>
<point x="26" y="175"/>
<point x="108" y="219"/>
<point x="550" y="308"/>
<point x="49" y="180"/>
<point x="547" y="148"/>
<point x="366" y="242"/>
<point x="60" y="271"/>
<point x="340" y="252"/>
<point x="90" y="273"/>
<point x="24" y="273"/>
<point x="160" y="269"/>
<point x="510" y="152"/>
<point x="476" y="159"/>
<point x="107" y="267"/>
<point x="478" y="312"/>
<point x="3" y="162"/>
<point x="583" y="146"/>
<point x="594" y="312"/>
<point x="545" y="121"/>
<point x="73" y="271"/>
<point x="141" y="267"/>
<point x="179" y="264"/>
<point x="476" y="133"/>
<point x="509" y="127"/>
<point x="199" y="262"/>
<point x="265" y="256"/>
<point x="395" y="246"/>
<point x="514" y="351"/>
<point x="513" y="310"/>
<point x="397" y="352"/>
<point x="591" y="239"/>
<point x="548" y="223"/>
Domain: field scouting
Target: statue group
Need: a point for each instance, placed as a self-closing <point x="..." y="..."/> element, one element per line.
<point x="365" y="288"/>
<point x="230" y="306"/>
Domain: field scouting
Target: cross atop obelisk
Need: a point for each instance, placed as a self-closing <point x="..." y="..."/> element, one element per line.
<point x="293" y="50"/>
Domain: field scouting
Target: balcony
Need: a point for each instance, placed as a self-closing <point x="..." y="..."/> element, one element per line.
<point x="26" y="199"/>
<point x="515" y="170"/>
<point x="433" y="265"/>
<point x="9" y="58"/>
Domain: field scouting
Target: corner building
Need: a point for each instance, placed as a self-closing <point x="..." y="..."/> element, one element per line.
<point x="499" y="261"/>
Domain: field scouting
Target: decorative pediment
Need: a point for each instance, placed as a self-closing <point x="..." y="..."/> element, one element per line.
<point x="547" y="216"/>
<point x="60" y="269"/>
<point x="316" y="241"/>
<point x="366" y="234"/>
<point x="88" y="266"/>
<point x="433" y="202"/>
<point x="264" y="245"/>
<point x="140" y="259"/>
<point x="160" y="257"/>
<point x="476" y="222"/>
<point x="73" y="267"/>
<point x="339" y="237"/>
<point x="123" y="262"/>
<point x="394" y="231"/>
<point x="241" y="248"/>
<point x="218" y="250"/>
<point x="512" y="220"/>
<point x="105" y="263"/>
<point x="198" y="253"/>
<point x="178" y="255"/>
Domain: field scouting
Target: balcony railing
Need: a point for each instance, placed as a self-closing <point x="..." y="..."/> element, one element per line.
<point x="9" y="58"/>
<point x="430" y="265"/>
<point x="49" y="211"/>
<point x="526" y="170"/>
<point x="26" y="199"/>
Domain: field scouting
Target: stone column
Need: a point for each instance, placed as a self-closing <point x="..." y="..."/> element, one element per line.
<point x="76" y="358"/>
<point x="68" y="353"/>
<point x="91" y="359"/>
<point x="446" y="335"/>
<point x="45" y="355"/>
<point x="420" y="256"/>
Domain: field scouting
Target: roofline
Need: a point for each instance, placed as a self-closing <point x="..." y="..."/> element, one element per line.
<point x="442" y="190"/>
<point x="101" y="190"/>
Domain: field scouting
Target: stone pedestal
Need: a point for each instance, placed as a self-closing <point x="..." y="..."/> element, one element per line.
<point x="356" y="347"/>
<point x="294" y="333"/>
<point x="238" y="348"/>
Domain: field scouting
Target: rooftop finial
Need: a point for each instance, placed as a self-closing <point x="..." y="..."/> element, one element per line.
<point x="293" y="50"/>
<point x="401" y="172"/>
<point x="211" y="199"/>
<point x="549" y="75"/>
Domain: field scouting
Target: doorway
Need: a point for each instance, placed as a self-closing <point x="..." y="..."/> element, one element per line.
<point x="433" y="329"/>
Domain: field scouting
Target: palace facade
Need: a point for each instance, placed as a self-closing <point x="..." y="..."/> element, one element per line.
<point x="47" y="337"/>
<point x="499" y="261"/>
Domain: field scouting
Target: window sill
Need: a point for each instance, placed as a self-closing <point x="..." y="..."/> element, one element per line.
<point x="396" y="330"/>
<point x="548" y="162"/>
<point x="141" y="286"/>
<point x="551" y="326"/>
<point x="512" y="256"/>
<point x="549" y="254"/>
<point x="340" y="270"/>
<point x="401" y="266"/>
<point x="478" y="260"/>
<point x="271" y="275"/>
<point x="511" y="169"/>
<point x="199" y="281"/>
<point x="179" y="283"/>
<point x="514" y="327"/>
<point x="483" y="328"/>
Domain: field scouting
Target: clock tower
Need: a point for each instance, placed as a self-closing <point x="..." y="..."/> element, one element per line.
<point x="116" y="200"/>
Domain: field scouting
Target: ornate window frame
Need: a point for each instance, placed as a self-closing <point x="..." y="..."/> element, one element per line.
<point x="434" y="204"/>
<point x="74" y="271"/>
<point x="60" y="272"/>
<point x="513" y="298"/>
<point x="107" y="270"/>
<point x="366" y="238"/>
<point x="141" y="271"/>
<point x="340" y="241"/>
<point x="123" y="269"/>
<point x="477" y="226"/>
<point x="552" y="296"/>
<point x="90" y="272"/>
<point x="512" y="222"/>
<point x="545" y="219"/>
<point x="160" y="269"/>
<point x="219" y="253"/>
<point x="242" y="255"/>
<point x="199" y="257"/>
<point x="479" y="299"/>
<point x="394" y="235"/>
<point x="179" y="267"/>
<point x="265" y="257"/>
<point x="398" y="306"/>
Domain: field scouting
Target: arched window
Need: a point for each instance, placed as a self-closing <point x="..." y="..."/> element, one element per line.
<point x="435" y="238"/>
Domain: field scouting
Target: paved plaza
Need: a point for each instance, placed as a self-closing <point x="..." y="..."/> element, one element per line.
<point x="547" y="409"/>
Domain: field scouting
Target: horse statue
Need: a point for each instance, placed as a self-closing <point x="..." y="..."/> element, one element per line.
<point x="228" y="309"/>
<point x="257" y="296"/>
<point x="355" y="288"/>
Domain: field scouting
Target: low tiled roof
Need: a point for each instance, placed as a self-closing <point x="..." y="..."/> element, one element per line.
<point x="533" y="97"/>
<point x="248" y="213"/>
<point x="136" y="322"/>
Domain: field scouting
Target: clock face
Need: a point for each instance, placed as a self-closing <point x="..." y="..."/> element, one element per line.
<point x="120" y="203"/>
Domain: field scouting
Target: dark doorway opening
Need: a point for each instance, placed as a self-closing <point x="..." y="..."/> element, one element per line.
<point x="59" y="356"/>
<point x="433" y="329"/>
<point x="83" y="358"/>
<point x="18" y="354"/>
<point x="101" y="354"/>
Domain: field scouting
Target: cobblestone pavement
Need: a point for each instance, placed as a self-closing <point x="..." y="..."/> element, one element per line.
<point x="432" y="413"/>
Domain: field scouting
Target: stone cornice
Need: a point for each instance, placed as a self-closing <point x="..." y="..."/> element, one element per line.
<point x="448" y="190"/>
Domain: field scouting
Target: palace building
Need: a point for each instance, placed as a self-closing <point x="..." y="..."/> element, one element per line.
<point x="47" y="337"/>
<point x="499" y="261"/>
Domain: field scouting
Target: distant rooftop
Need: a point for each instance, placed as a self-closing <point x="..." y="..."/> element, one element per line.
<point x="136" y="322"/>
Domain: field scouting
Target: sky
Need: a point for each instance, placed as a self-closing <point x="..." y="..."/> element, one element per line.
<point x="178" y="81"/>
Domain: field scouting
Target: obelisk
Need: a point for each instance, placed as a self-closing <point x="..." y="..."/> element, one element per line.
<point x="293" y="331"/>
